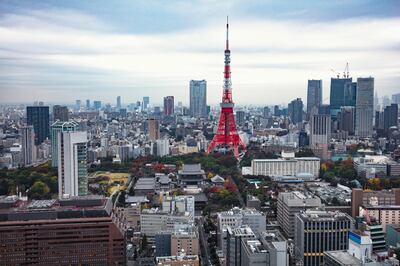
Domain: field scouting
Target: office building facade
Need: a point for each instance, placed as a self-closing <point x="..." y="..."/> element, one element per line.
<point x="38" y="117"/>
<point x="346" y="119"/>
<point x="291" y="203"/>
<point x="74" y="231"/>
<point x="198" y="98"/>
<point x="153" y="126"/>
<point x="320" y="135"/>
<point x="337" y="94"/>
<point x="364" y="107"/>
<point x="146" y="103"/>
<point x="314" y="95"/>
<point x="319" y="231"/>
<point x="390" y="117"/>
<point x="60" y="113"/>
<point x="72" y="164"/>
<point x="295" y="111"/>
<point x="28" y="145"/>
<point x="56" y="128"/>
<point x="169" y="105"/>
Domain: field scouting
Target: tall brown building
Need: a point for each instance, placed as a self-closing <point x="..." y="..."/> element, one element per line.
<point x="383" y="197"/>
<point x="168" y="105"/>
<point x="64" y="232"/>
<point x="153" y="126"/>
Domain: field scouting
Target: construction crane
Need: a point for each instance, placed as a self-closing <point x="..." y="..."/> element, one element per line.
<point x="346" y="71"/>
<point x="336" y="73"/>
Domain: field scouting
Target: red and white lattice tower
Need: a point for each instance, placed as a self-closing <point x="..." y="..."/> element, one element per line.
<point x="227" y="135"/>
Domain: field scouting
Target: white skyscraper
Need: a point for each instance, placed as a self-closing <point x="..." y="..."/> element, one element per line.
<point x="162" y="147"/>
<point x="72" y="169"/>
<point x="28" y="145"/>
<point x="364" y="107"/>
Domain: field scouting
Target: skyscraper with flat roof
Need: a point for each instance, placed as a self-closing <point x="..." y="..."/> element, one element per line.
<point x="337" y="94"/>
<point x="146" y="103"/>
<point x="38" y="117"/>
<point x="153" y="126"/>
<point x="295" y="110"/>
<point x="28" y="145"/>
<point x="60" y="113"/>
<point x="364" y="107"/>
<point x="198" y="98"/>
<point x="118" y="102"/>
<point x="168" y="105"/>
<point x="314" y="94"/>
<point x="318" y="231"/>
<point x="390" y="116"/>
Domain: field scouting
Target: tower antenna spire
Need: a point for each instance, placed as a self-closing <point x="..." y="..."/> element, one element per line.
<point x="227" y="32"/>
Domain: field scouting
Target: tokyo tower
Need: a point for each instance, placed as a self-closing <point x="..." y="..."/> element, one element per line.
<point x="227" y="135"/>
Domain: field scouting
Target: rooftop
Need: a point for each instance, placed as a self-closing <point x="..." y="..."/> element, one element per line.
<point x="342" y="257"/>
<point x="74" y="207"/>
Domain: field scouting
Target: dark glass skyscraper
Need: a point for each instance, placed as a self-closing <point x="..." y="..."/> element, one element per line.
<point x="350" y="94"/>
<point x="390" y="116"/>
<point x="338" y="95"/>
<point x="60" y="113"/>
<point x="295" y="110"/>
<point x="38" y="117"/>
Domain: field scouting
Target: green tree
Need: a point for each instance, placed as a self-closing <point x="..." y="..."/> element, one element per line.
<point x="39" y="190"/>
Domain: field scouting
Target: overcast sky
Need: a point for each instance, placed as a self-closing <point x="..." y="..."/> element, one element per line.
<point x="59" y="51"/>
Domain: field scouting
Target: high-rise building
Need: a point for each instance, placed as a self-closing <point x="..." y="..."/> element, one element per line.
<point x="28" y="145"/>
<point x="78" y="104"/>
<point x="87" y="104"/>
<point x="72" y="166"/>
<point x="314" y="94"/>
<point x="234" y="238"/>
<point x="75" y="231"/>
<point x="350" y="94"/>
<point x="38" y="117"/>
<point x="169" y="105"/>
<point x="118" y="102"/>
<point x="396" y="98"/>
<point x="295" y="110"/>
<point x="320" y="135"/>
<point x="291" y="203"/>
<point x="391" y="116"/>
<point x="337" y="94"/>
<point x="346" y="119"/>
<point x="56" y="128"/>
<point x="198" y="98"/>
<point x="60" y="113"/>
<point x="153" y="126"/>
<point x="318" y="231"/>
<point x="266" y="112"/>
<point x="146" y="103"/>
<point x="364" y="107"/>
<point x="97" y="105"/>
<point x="269" y="250"/>
<point x="240" y="115"/>
<point x="277" y="111"/>
<point x="162" y="147"/>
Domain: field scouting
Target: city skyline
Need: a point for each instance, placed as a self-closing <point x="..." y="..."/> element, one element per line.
<point x="86" y="53"/>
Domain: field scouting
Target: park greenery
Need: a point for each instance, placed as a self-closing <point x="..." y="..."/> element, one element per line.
<point x="39" y="182"/>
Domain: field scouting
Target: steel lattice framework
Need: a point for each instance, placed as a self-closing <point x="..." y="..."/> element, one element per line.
<point x="227" y="135"/>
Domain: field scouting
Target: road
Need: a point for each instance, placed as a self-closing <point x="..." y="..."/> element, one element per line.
<point x="205" y="256"/>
